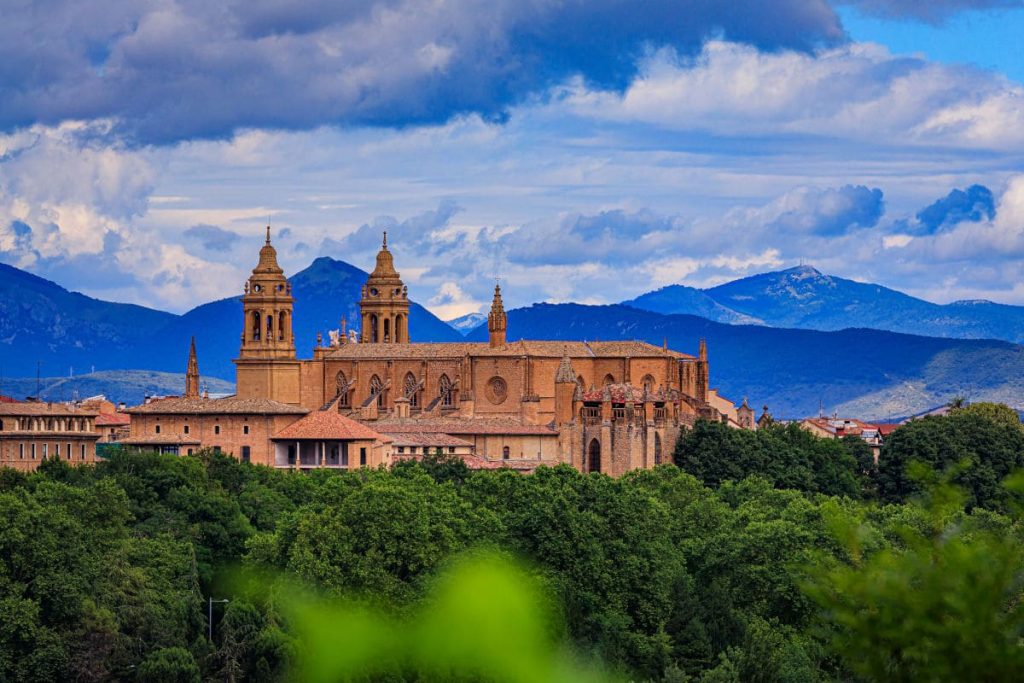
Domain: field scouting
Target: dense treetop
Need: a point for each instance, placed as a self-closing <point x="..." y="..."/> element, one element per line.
<point x="766" y="556"/>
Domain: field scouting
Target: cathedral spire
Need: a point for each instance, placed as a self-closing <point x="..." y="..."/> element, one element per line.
<point x="565" y="373"/>
<point x="192" y="373"/>
<point x="497" y="321"/>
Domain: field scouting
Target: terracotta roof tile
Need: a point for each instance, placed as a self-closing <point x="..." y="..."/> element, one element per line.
<point x="429" y="439"/>
<point x="216" y="406"/>
<point x="461" y="426"/>
<point x="327" y="424"/>
<point x="112" y="419"/>
<point x="33" y="408"/>
<point x="549" y="349"/>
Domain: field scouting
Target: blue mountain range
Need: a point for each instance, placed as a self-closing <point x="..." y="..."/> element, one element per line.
<point x="756" y="346"/>
<point x="804" y="298"/>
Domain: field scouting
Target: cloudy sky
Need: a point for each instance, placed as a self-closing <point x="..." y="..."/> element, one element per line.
<point x="584" y="150"/>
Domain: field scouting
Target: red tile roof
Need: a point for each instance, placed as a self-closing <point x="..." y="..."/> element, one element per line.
<point x="429" y="439"/>
<point x="230" y="405"/>
<point x="327" y="425"/>
<point x="8" y="399"/>
<point x="113" y="419"/>
<point x="887" y="428"/>
<point x="461" y="426"/>
<point x="535" y="349"/>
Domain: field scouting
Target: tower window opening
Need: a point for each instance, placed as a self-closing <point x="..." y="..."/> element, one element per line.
<point x="255" y="325"/>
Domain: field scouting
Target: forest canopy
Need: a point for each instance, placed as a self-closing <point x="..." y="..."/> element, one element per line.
<point x="760" y="556"/>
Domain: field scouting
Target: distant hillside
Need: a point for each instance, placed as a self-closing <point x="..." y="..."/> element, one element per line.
<point x="690" y="301"/>
<point x="130" y="386"/>
<point x="867" y="373"/>
<point x="40" y="320"/>
<point x="804" y="298"/>
<point x="466" y="323"/>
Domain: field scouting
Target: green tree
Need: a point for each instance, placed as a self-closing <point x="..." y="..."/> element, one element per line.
<point x="946" y="605"/>
<point x="169" y="665"/>
<point x="982" y="451"/>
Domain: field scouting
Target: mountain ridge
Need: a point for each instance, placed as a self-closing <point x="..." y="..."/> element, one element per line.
<point x="804" y="298"/>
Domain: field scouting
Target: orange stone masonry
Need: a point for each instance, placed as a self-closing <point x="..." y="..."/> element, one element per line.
<point x="599" y="406"/>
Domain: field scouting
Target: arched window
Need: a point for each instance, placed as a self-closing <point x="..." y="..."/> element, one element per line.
<point x="399" y="328"/>
<point x="270" y="328"/>
<point x="444" y="386"/>
<point x="282" y="320"/>
<point x="594" y="456"/>
<point x="343" y="390"/>
<point x="609" y="379"/>
<point x="505" y="452"/>
<point x="411" y="390"/>
<point x="377" y="389"/>
<point x="256" y="330"/>
<point x="387" y="330"/>
<point x="648" y="382"/>
<point x="373" y="329"/>
<point x="657" y="449"/>
<point x="581" y="383"/>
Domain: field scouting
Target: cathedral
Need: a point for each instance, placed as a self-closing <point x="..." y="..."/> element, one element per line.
<point x="376" y="392"/>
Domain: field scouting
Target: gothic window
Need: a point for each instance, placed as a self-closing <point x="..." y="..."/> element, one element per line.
<point x="609" y="379"/>
<point x="377" y="389"/>
<point x="594" y="456"/>
<point x="411" y="391"/>
<point x="343" y="392"/>
<point x="496" y="390"/>
<point x="256" y="325"/>
<point x="445" y="391"/>
<point x="648" y="382"/>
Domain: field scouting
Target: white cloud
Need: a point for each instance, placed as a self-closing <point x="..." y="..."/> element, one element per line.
<point x="858" y="92"/>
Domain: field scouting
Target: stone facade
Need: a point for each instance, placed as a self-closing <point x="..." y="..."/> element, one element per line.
<point x="598" y="406"/>
<point x="33" y="431"/>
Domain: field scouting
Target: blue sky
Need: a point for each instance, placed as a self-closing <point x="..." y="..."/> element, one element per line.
<point x="584" y="151"/>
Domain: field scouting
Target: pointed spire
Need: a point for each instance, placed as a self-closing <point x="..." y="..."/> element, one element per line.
<point x="384" y="246"/>
<point x="268" y="233"/>
<point x="497" y="321"/>
<point x="565" y="374"/>
<point x="192" y="373"/>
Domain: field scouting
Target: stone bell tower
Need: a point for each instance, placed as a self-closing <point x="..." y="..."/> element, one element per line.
<point x="384" y="305"/>
<point x="266" y="366"/>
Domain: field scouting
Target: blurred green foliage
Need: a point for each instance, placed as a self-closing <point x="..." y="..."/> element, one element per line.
<point x="771" y="557"/>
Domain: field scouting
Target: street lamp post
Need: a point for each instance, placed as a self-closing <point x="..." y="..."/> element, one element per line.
<point x="209" y="618"/>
